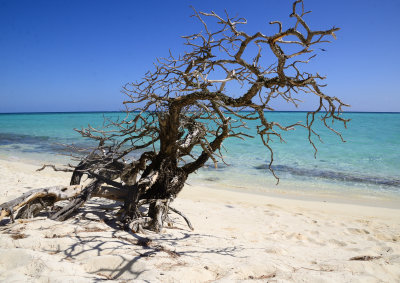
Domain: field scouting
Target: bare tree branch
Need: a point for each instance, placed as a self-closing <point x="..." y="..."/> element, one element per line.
<point x="181" y="112"/>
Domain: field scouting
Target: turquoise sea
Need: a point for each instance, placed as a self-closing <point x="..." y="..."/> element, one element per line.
<point x="367" y="165"/>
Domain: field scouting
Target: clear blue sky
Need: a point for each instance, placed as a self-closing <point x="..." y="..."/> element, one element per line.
<point x="74" y="55"/>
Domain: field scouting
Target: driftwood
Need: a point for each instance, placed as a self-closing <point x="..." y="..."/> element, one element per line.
<point x="33" y="197"/>
<point x="180" y="113"/>
<point x="31" y="203"/>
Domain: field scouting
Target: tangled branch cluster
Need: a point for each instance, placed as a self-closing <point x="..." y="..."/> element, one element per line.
<point x="178" y="116"/>
<point x="184" y="103"/>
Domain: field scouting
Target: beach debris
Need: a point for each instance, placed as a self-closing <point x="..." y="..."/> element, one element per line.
<point x="265" y="276"/>
<point x="365" y="257"/>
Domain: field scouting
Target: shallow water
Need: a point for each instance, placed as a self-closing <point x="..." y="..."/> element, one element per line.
<point x="367" y="164"/>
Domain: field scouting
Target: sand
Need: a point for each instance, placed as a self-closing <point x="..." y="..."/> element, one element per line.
<point x="238" y="237"/>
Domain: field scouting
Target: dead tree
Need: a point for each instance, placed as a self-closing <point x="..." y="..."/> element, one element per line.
<point x="179" y="115"/>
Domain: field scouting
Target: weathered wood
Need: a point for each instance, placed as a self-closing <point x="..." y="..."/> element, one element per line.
<point x="183" y="216"/>
<point x="180" y="114"/>
<point x="77" y="202"/>
<point x="158" y="211"/>
<point x="112" y="193"/>
<point x="57" y="192"/>
<point x="34" y="207"/>
<point x="54" y="194"/>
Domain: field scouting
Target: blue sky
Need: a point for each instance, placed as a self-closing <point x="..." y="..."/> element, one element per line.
<point x="75" y="55"/>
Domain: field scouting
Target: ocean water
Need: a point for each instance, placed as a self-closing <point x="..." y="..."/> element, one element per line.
<point x="367" y="164"/>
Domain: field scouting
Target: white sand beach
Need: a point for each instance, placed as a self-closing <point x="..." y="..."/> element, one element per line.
<point x="238" y="237"/>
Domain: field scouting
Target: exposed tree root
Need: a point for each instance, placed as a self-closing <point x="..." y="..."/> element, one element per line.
<point x="34" y="207"/>
<point x="57" y="193"/>
<point x="183" y="216"/>
<point x="77" y="202"/>
<point x="31" y="203"/>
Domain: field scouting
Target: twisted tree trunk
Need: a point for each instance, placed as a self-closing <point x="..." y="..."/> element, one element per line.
<point x="181" y="112"/>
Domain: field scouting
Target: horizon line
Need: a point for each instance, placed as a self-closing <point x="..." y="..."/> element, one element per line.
<point x="121" y="111"/>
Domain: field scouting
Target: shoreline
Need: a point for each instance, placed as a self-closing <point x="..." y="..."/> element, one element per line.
<point x="286" y="189"/>
<point x="237" y="236"/>
<point x="332" y="197"/>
